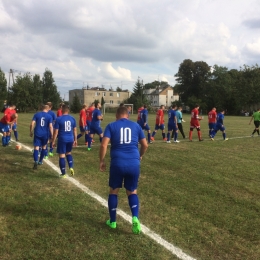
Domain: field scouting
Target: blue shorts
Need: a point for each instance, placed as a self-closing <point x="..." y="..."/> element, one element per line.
<point x="88" y="123"/>
<point x="95" y="130"/>
<point x="212" y="125"/>
<point x="4" y="128"/>
<point x="40" y="141"/>
<point x="161" y="126"/>
<point x="219" y="127"/>
<point x="172" y="127"/>
<point x="146" y="127"/>
<point x="64" y="147"/>
<point x="83" y="128"/>
<point x="14" y="127"/>
<point x="129" y="175"/>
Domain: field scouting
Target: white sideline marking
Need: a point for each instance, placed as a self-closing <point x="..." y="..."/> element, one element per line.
<point x="157" y="238"/>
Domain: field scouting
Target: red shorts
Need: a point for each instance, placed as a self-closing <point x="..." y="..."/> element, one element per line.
<point x="194" y="123"/>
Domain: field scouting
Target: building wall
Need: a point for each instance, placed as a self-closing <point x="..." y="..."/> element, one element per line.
<point x="88" y="96"/>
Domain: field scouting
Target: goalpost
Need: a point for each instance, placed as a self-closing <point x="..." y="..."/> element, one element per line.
<point x="107" y="105"/>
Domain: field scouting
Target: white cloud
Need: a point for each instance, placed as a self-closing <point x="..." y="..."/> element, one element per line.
<point x="106" y="70"/>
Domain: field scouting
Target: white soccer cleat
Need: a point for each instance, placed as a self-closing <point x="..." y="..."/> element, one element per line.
<point x="176" y="141"/>
<point x="168" y="142"/>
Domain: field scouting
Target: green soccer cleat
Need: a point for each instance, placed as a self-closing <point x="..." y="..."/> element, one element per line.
<point x="136" y="226"/>
<point x="46" y="157"/>
<point x="50" y="154"/>
<point x="63" y="176"/>
<point x="111" y="224"/>
<point x="89" y="149"/>
<point x="71" y="171"/>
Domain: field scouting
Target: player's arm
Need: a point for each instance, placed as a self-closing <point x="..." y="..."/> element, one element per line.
<point x="55" y="134"/>
<point x="32" y="127"/>
<point x="143" y="148"/>
<point x="251" y="119"/>
<point x="100" y="117"/>
<point x="102" y="153"/>
<point x="51" y="129"/>
<point x="175" y="121"/>
<point x="75" y="135"/>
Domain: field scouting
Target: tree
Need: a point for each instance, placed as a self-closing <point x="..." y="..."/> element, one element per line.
<point x="3" y="87"/>
<point x="192" y="79"/>
<point x="102" y="101"/>
<point x="118" y="89"/>
<point x="75" y="107"/>
<point x="49" y="89"/>
<point x="137" y="98"/>
<point x="20" y="93"/>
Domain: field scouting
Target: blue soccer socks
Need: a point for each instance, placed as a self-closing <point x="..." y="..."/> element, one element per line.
<point x="133" y="202"/>
<point x="112" y="206"/>
<point x="69" y="160"/>
<point x="62" y="165"/>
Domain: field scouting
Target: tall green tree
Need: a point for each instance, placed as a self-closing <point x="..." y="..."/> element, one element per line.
<point x="193" y="79"/>
<point x="137" y="98"/>
<point x="20" y="92"/>
<point x="75" y="107"/>
<point x="3" y="87"/>
<point x="49" y="89"/>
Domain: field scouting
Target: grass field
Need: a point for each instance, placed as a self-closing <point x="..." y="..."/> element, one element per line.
<point x="203" y="197"/>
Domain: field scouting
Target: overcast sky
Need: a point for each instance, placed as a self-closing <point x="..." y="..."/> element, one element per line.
<point x="113" y="42"/>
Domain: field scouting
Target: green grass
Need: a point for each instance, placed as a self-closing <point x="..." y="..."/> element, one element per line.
<point x="203" y="197"/>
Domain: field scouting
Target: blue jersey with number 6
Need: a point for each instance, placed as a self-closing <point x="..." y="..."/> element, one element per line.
<point x="42" y="124"/>
<point x="124" y="137"/>
<point x="65" y="124"/>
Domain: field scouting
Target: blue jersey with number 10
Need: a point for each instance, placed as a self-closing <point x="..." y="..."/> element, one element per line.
<point x="65" y="124"/>
<point x="124" y="137"/>
<point x="42" y="124"/>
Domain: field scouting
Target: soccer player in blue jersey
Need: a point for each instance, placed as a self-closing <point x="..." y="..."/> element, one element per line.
<point x="53" y="115"/>
<point x="124" y="136"/>
<point x="65" y="127"/>
<point x="95" y="128"/>
<point x="172" y="124"/>
<point x="144" y="123"/>
<point x="40" y="127"/>
<point x="219" y="126"/>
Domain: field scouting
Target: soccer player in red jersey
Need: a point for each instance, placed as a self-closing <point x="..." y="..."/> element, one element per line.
<point x="59" y="111"/>
<point x="89" y="112"/>
<point x="212" y="119"/>
<point x="83" y="123"/>
<point x="195" y="122"/>
<point x="5" y="123"/>
<point x="159" y="123"/>
<point x="10" y="111"/>
<point x="139" y="113"/>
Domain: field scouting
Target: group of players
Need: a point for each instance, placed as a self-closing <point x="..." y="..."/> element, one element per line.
<point x="215" y="122"/>
<point x="8" y="123"/>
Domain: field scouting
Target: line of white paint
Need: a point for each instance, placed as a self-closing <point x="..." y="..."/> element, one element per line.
<point x="157" y="238"/>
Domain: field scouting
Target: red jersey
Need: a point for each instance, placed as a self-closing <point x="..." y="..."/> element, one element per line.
<point x="212" y="116"/>
<point x="82" y="117"/>
<point x="159" y="117"/>
<point x="195" y="114"/>
<point x="6" y="118"/>
<point x="59" y="112"/>
<point x="139" y="113"/>
<point x="89" y="112"/>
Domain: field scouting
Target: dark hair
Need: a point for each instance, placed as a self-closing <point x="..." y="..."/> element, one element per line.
<point x="96" y="104"/>
<point x="145" y="106"/>
<point x="122" y="111"/>
<point x="121" y="104"/>
<point x="65" y="108"/>
<point x="197" y="105"/>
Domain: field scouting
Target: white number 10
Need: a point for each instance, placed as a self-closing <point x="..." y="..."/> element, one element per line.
<point x="125" y="135"/>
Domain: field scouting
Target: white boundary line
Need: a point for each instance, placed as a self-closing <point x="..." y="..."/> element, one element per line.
<point x="157" y="238"/>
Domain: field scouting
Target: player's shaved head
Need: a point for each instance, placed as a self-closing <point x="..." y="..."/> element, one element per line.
<point x="122" y="112"/>
<point x="45" y="107"/>
<point x="65" y="109"/>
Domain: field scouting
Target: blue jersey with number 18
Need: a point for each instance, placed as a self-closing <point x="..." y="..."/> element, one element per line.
<point x="65" y="124"/>
<point x="42" y="123"/>
<point x="124" y="137"/>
